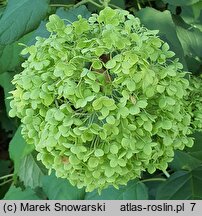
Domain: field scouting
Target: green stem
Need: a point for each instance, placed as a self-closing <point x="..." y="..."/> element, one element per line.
<point x="6" y="176"/>
<point x="5" y="182"/>
<point x="62" y="5"/>
<point x="153" y="179"/>
<point x="166" y="173"/>
<point x="139" y="6"/>
<point x="105" y="3"/>
<point x="149" y="3"/>
<point x="88" y="1"/>
<point x="115" y="6"/>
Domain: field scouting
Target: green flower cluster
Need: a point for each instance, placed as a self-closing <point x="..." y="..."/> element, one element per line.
<point x="195" y="101"/>
<point x="102" y="100"/>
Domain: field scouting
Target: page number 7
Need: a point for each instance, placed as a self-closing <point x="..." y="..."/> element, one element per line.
<point x="193" y="205"/>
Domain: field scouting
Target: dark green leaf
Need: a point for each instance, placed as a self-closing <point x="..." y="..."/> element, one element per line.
<point x="41" y="31"/>
<point x="5" y="167"/>
<point x="21" y="17"/>
<point x="153" y="187"/>
<point x="17" y="194"/>
<point x="30" y="172"/>
<point x="196" y="150"/>
<point x="182" y="185"/>
<point x="72" y="14"/>
<point x="184" y="161"/>
<point x="5" y="82"/>
<point x="164" y="23"/>
<point x="10" y="55"/>
<point x="18" y="149"/>
<point x="181" y="2"/>
<point x="60" y="189"/>
<point x="193" y="15"/>
<point x="191" y="41"/>
<point x="135" y="190"/>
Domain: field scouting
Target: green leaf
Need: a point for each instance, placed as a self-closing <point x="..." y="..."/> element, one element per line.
<point x="16" y="193"/>
<point x="196" y="150"/>
<point x="185" y="161"/>
<point x="192" y="15"/>
<point x="181" y="2"/>
<point x="18" y="149"/>
<point x="5" y="82"/>
<point x="5" y="167"/>
<point x="41" y="31"/>
<point x="31" y="172"/>
<point x="190" y="40"/>
<point x="10" y="55"/>
<point x="23" y="15"/>
<point x="182" y="185"/>
<point x="190" y="158"/>
<point x="60" y="189"/>
<point x="167" y="29"/>
<point x="72" y="14"/>
<point x="134" y="190"/>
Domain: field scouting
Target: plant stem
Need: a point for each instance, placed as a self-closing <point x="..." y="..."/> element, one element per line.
<point x="115" y="6"/>
<point x="149" y="3"/>
<point x="139" y="6"/>
<point x="88" y="1"/>
<point x="153" y="179"/>
<point x="5" y="182"/>
<point x="166" y="173"/>
<point x="6" y="176"/>
<point x="62" y="5"/>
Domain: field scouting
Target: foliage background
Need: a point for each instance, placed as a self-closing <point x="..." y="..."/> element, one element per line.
<point x="21" y="176"/>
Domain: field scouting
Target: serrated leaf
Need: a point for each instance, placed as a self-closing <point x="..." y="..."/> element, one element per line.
<point x="16" y="193"/>
<point x="18" y="149"/>
<point x="182" y="185"/>
<point x="31" y="172"/>
<point x="23" y="15"/>
<point x="134" y="190"/>
<point x="60" y="189"/>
